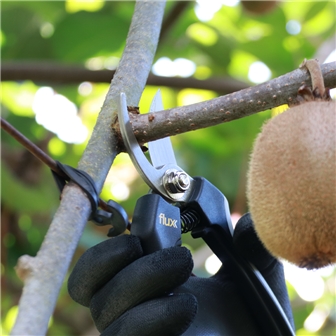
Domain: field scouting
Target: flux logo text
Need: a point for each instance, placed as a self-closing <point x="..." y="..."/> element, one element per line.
<point x="167" y="221"/>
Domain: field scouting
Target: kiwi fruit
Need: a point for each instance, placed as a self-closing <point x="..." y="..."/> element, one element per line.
<point x="291" y="186"/>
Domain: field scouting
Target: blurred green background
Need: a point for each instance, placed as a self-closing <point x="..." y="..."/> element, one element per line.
<point x="220" y="39"/>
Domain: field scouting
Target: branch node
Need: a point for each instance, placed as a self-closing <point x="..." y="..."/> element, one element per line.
<point x="25" y="267"/>
<point x="314" y="70"/>
<point x="318" y="91"/>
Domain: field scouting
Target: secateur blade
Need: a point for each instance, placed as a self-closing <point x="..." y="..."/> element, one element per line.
<point x="161" y="152"/>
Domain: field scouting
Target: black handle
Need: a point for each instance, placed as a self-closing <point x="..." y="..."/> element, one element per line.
<point x="157" y="223"/>
<point x="216" y="230"/>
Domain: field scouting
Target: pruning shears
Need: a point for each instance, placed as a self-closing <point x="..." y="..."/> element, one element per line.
<point x="178" y="203"/>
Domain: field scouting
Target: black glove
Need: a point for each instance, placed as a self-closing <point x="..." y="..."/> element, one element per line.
<point x="131" y="294"/>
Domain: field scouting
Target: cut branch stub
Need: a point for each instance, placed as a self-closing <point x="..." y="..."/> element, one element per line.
<point x="25" y="267"/>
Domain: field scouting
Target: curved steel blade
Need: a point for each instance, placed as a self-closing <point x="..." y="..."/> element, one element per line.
<point x="152" y="176"/>
<point x="145" y="169"/>
<point x="161" y="151"/>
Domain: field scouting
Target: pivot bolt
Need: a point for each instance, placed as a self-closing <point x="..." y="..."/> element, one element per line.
<point x="176" y="181"/>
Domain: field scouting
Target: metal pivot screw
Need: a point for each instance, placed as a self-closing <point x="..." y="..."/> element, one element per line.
<point x="176" y="181"/>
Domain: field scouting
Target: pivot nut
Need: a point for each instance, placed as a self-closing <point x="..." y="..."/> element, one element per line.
<point x="176" y="181"/>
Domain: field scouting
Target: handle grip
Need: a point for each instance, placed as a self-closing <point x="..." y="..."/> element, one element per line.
<point x="157" y="223"/>
<point x="216" y="230"/>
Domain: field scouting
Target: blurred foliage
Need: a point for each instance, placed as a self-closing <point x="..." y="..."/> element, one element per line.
<point x="92" y="33"/>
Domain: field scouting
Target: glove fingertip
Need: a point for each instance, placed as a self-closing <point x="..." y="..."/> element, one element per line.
<point x="99" y="264"/>
<point x="165" y="316"/>
<point x="147" y="278"/>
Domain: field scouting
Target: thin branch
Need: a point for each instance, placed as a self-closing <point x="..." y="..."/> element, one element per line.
<point x="220" y="85"/>
<point x="39" y="153"/>
<point x="29" y="145"/>
<point x="57" y="73"/>
<point x="276" y="92"/>
<point x="44" y="274"/>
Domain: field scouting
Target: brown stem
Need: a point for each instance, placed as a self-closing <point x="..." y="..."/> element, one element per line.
<point x="58" y="73"/>
<point x="38" y="153"/>
<point x="240" y="104"/>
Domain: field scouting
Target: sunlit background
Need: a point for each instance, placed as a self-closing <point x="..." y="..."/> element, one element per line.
<point x="214" y="39"/>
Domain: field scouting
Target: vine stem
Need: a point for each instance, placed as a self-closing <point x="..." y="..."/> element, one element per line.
<point x="31" y="147"/>
<point x="55" y="73"/>
<point x="278" y="91"/>
<point x="39" y="153"/>
<point x="44" y="274"/>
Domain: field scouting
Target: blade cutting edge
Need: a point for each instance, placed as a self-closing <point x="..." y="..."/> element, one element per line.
<point x="161" y="151"/>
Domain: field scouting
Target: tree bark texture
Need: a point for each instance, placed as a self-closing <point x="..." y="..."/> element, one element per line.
<point x="276" y="92"/>
<point x="43" y="275"/>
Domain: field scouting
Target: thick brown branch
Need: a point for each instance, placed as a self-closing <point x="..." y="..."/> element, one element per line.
<point x="57" y="73"/>
<point x="276" y="92"/>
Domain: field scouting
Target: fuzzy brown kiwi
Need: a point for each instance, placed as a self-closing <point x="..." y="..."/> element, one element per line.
<point x="292" y="185"/>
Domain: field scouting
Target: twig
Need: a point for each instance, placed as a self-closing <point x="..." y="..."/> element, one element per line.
<point x="44" y="274"/>
<point x="29" y="145"/>
<point x="58" y="73"/>
<point x="276" y="92"/>
<point x="39" y="153"/>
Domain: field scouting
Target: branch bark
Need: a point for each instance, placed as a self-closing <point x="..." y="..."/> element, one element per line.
<point x="43" y="275"/>
<point x="57" y="73"/>
<point x="276" y="92"/>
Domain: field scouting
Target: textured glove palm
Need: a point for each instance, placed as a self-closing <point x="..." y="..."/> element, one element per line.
<point x="127" y="293"/>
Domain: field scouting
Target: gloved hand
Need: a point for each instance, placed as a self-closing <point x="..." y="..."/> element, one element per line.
<point x="131" y="294"/>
